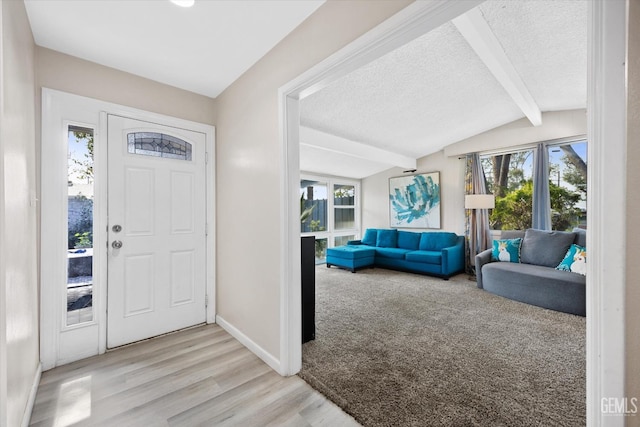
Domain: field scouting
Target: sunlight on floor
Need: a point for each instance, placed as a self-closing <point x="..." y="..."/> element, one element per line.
<point x="74" y="402"/>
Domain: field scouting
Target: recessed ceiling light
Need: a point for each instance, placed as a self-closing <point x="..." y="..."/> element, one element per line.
<point x="183" y="3"/>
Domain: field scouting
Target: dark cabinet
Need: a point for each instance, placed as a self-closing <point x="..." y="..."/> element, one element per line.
<point x="308" y="264"/>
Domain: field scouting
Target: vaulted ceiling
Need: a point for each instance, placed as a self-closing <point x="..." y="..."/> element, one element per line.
<point x="500" y="62"/>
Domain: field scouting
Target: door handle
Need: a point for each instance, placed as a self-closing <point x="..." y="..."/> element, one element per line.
<point x="117" y="244"/>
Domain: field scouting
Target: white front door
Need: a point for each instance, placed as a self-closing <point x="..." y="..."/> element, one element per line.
<point x="157" y="242"/>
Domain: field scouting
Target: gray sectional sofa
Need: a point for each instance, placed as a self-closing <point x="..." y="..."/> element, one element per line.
<point x="535" y="279"/>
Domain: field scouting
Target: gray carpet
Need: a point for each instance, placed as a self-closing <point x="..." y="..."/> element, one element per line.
<point x="398" y="349"/>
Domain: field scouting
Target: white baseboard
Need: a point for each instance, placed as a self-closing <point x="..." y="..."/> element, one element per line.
<point x="26" y="417"/>
<point x="251" y="345"/>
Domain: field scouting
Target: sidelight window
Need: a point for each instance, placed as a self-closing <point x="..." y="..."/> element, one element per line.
<point x="79" y="302"/>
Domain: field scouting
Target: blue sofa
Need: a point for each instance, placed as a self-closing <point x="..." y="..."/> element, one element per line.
<point x="435" y="253"/>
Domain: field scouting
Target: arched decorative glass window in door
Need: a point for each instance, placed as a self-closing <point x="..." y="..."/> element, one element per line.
<point x="158" y="145"/>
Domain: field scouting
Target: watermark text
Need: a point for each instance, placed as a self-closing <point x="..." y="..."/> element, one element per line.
<point x="620" y="406"/>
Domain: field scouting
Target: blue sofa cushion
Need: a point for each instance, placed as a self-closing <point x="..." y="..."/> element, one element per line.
<point x="408" y="240"/>
<point x="370" y="237"/>
<point x="435" y="241"/>
<point x="351" y="252"/>
<point x="387" y="238"/>
<point x="546" y="248"/>
<point x="394" y="253"/>
<point x="427" y="257"/>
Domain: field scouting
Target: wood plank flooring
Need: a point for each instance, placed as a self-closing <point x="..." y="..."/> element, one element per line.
<point x="201" y="376"/>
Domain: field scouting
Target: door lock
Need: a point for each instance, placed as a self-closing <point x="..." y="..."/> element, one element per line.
<point x="117" y="244"/>
<point x="116" y="228"/>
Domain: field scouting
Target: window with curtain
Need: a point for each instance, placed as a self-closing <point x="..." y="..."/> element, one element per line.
<point x="568" y="185"/>
<point x="510" y="178"/>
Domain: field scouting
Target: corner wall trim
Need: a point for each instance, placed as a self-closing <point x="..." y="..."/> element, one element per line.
<point x="263" y="354"/>
<point x="26" y="418"/>
<point x="606" y="272"/>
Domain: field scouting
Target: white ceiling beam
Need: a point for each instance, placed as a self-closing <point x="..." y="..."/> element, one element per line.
<point x="336" y="144"/>
<point x="475" y="29"/>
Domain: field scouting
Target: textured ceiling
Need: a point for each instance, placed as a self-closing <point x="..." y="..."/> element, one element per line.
<point x="547" y="44"/>
<point x="435" y="90"/>
<point x="202" y="49"/>
<point x="414" y="100"/>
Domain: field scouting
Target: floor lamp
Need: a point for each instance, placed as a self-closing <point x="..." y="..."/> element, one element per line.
<point x="475" y="202"/>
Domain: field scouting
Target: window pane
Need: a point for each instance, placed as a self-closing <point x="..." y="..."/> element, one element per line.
<point x="342" y="240"/>
<point x="568" y="185"/>
<point x="80" y="226"/>
<point x="510" y="178"/>
<point x="344" y="218"/>
<point x="321" y="251"/>
<point x="343" y="195"/>
<point x="313" y="206"/>
<point x="158" y="145"/>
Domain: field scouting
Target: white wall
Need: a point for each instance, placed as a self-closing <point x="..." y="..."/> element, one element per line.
<point x="375" y="193"/>
<point x="556" y="124"/>
<point x="375" y="189"/>
<point x="249" y="166"/>
<point x="18" y="228"/>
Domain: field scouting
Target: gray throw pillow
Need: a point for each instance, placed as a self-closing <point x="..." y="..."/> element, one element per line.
<point x="545" y="248"/>
<point x="581" y="237"/>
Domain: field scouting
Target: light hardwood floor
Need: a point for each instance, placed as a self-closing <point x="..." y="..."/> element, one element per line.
<point x="200" y="376"/>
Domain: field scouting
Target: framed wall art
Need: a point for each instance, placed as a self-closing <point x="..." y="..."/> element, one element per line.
<point x="414" y="201"/>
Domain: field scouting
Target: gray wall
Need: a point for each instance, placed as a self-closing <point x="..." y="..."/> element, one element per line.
<point x="19" y="351"/>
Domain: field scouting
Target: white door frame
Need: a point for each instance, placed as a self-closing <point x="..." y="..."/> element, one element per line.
<point x="607" y="117"/>
<point x="59" y="343"/>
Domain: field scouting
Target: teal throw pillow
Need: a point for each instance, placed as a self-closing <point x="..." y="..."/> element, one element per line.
<point x="370" y="237"/>
<point x="408" y="240"/>
<point x="575" y="260"/>
<point x="506" y="250"/>
<point x="387" y="238"/>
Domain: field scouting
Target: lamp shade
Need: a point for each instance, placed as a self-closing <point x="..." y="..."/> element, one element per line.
<point x="479" y="201"/>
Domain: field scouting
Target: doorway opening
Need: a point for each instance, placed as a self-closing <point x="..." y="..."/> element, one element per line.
<point x="605" y="117"/>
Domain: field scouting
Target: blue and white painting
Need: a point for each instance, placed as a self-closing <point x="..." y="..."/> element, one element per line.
<point x="414" y="201"/>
